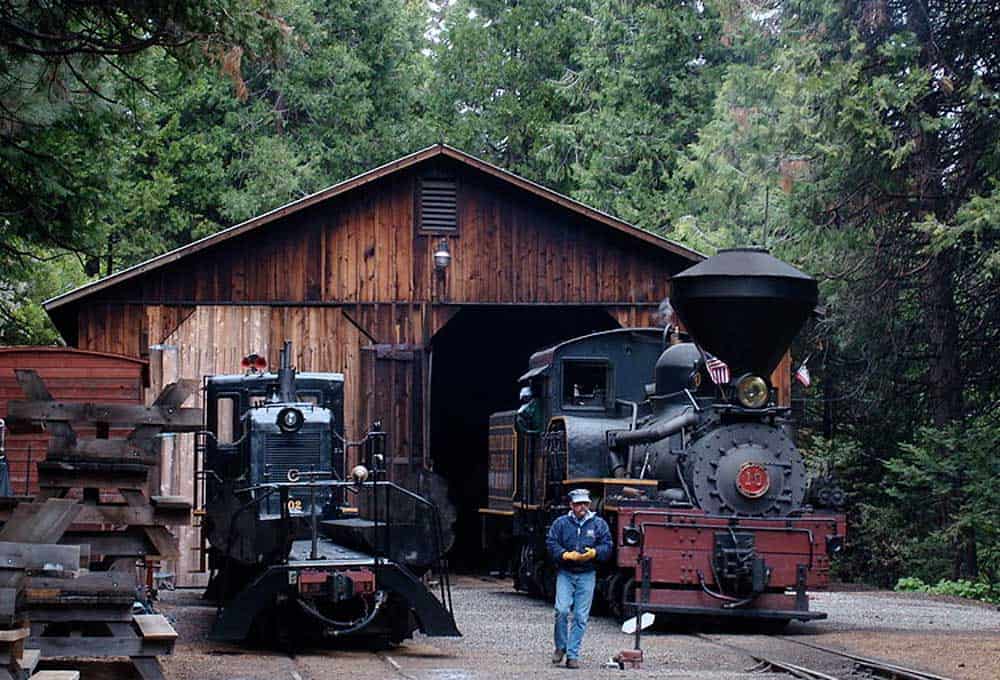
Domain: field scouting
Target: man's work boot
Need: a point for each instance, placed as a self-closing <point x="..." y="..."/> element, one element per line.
<point x="572" y="663"/>
<point x="557" y="656"/>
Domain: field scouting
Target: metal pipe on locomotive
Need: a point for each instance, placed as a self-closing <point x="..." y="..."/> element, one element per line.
<point x="706" y="494"/>
<point x="299" y="552"/>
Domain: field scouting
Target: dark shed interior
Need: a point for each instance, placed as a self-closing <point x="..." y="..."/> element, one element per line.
<point x="477" y="358"/>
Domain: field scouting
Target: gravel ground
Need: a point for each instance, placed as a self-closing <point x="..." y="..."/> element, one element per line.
<point x="507" y="636"/>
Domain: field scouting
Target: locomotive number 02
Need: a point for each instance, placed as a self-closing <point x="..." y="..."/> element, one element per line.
<point x="294" y="505"/>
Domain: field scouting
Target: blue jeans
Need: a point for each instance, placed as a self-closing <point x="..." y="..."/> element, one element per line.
<point x="576" y="590"/>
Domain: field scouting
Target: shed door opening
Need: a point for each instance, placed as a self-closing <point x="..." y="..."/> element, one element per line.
<point x="476" y="361"/>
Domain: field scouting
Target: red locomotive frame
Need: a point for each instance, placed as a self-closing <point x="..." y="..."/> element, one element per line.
<point x="672" y="565"/>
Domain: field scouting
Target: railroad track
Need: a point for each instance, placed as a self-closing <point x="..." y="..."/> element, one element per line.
<point x="877" y="667"/>
<point x="873" y="668"/>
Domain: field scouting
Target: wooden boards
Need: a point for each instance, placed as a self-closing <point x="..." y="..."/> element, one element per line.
<point x="154" y="627"/>
<point x="40" y="522"/>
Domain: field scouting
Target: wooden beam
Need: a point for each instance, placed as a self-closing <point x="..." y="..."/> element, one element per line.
<point x="176" y="393"/>
<point x="96" y="589"/>
<point x="129" y="543"/>
<point x="61" y="434"/>
<point x="40" y="522"/>
<point x="164" y="543"/>
<point x="40" y="557"/>
<point x="32" y="385"/>
<point x="54" y="474"/>
<point x="154" y="627"/>
<point x="98" y="646"/>
<point x="104" y="450"/>
<point x="148" y="667"/>
<point x="171" y="419"/>
<point x="14" y="634"/>
<point x="61" y="614"/>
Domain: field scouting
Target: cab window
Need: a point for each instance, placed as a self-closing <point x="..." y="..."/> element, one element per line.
<point x="226" y="419"/>
<point x="586" y="384"/>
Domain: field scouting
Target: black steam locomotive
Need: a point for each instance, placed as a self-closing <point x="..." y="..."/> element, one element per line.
<point x="695" y="472"/>
<point x="295" y="546"/>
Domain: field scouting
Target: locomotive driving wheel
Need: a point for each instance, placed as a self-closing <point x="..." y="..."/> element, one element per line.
<point x="620" y="593"/>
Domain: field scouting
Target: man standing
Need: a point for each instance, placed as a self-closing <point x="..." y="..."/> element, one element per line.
<point x="576" y="541"/>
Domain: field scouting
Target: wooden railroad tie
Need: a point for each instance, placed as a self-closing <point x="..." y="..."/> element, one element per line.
<point x="66" y="587"/>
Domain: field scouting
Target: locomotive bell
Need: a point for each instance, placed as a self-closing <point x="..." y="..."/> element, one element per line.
<point x="744" y="306"/>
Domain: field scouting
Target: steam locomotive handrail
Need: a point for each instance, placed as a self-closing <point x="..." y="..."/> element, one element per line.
<point x="335" y="483"/>
<point x="732" y="519"/>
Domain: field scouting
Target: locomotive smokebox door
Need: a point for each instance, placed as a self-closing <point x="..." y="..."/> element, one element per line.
<point x="747" y="468"/>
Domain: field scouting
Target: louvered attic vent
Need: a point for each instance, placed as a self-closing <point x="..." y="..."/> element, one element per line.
<point x="438" y="205"/>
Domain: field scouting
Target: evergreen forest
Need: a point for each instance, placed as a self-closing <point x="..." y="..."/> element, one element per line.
<point x="857" y="139"/>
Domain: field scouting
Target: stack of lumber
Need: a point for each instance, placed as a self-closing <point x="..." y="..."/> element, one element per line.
<point x="95" y="496"/>
<point x="20" y="563"/>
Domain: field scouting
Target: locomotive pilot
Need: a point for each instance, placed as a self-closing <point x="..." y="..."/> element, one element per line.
<point x="576" y="542"/>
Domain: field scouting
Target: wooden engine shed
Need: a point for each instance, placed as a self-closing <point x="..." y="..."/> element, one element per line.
<point x="356" y="277"/>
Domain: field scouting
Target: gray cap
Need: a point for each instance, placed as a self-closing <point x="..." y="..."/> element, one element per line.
<point x="579" y="496"/>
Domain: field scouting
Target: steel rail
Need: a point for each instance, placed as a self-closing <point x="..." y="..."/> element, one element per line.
<point x="890" y="670"/>
<point x="874" y="667"/>
<point x="767" y="663"/>
<point x="791" y="669"/>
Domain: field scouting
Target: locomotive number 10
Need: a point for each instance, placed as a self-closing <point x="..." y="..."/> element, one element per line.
<point x="294" y="505"/>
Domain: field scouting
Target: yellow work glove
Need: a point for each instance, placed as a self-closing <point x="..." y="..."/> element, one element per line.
<point x="572" y="556"/>
<point x="588" y="554"/>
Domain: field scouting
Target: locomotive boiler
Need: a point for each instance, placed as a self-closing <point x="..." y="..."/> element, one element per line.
<point x="680" y="438"/>
<point x="299" y="551"/>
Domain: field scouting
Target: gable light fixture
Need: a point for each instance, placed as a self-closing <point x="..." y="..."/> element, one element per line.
<point x="442" y="256"/>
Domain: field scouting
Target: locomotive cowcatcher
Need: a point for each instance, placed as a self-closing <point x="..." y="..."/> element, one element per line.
<point x="299" y="552"/>
<point x="696" y="472"/>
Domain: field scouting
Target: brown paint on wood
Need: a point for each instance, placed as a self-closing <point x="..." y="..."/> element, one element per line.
<point x="509" y="248"/>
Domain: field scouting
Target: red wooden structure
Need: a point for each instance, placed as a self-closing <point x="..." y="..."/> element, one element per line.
<point x="72" y="375"/>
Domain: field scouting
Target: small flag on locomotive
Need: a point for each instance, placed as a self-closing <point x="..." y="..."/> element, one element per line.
<point x="686" y="448"/>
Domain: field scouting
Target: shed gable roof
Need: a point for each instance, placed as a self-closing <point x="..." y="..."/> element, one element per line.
<point x="56" y="303"/>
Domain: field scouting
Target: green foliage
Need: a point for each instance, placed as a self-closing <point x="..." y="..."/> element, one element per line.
<point x="70" y="82"/>
<point x="972" y="590"/>
<point x="172" y="147"/>
<point x="497" y="72"/>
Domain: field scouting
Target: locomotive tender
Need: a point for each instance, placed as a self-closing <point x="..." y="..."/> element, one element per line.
<point x="705" y="491"/>
<point x="298" y="552"/>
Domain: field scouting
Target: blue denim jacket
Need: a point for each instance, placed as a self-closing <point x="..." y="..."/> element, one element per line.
<point x="568" y="533"/>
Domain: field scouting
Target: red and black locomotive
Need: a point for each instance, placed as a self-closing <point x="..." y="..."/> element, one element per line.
<point x="696" y="472"/>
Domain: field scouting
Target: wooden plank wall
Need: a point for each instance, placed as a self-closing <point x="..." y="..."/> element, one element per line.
<point x="363" y="247"/>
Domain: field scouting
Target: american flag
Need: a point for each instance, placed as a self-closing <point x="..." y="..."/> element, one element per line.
<point x="718" y="369"/>
<point x="802" y="375"/>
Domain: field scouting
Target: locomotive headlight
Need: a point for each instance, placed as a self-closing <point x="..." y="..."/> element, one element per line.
<point x="631" y="536"/>
<point x="290" y="419"/>
<point x="751" y="390"/>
